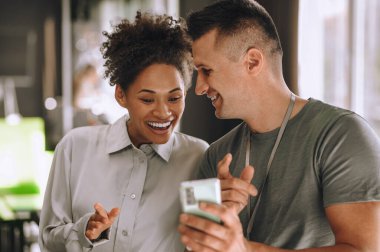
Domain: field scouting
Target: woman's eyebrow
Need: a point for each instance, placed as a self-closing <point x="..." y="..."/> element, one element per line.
<point x="153" y="92"/>
<point x="175" y="89"/>
<point x="146" y="90"/>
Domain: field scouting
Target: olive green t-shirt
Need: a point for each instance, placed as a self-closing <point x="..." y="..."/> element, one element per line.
<point x="327" y="156"/>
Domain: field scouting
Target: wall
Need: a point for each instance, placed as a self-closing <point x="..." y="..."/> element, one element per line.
<point x="19" y="17"/>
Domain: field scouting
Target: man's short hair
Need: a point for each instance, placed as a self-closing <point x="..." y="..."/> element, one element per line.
<point x="243" y="23"/>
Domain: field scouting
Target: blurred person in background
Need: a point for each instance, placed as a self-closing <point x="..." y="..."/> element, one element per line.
<point x="87" y="97"/>
<point x="115" y="187"/>
<point x="316" y="166"/>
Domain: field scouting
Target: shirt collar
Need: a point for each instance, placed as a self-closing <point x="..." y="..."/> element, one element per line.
<point x="118" y="139"/>
<point x="164" y="150"/>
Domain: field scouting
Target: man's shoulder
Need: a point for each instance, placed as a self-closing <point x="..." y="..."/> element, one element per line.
<point x="322" y="115"/>
<point x="326" y="119"/>
<point x="322" y="109"/>
<point x="230" y="140"/>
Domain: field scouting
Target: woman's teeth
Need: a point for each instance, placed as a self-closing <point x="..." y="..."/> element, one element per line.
<point x="159" y="125"/>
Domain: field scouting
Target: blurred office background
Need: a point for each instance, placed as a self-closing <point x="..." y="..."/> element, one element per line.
<point x="51" y="80"/>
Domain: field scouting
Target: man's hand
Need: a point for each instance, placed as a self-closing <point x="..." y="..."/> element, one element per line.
<point x="199" y="234"/>
<point x="235" y="191"/>
<point x="100" y="221"/>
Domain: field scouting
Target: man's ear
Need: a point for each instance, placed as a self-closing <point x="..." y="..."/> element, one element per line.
<point x="254" y="60"/>
<point x="120" y="96"/>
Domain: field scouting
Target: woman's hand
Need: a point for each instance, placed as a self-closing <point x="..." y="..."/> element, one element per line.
<point x="100" y="221"/>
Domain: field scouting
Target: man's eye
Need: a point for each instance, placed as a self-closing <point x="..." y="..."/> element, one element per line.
<point x="206" y="71"/>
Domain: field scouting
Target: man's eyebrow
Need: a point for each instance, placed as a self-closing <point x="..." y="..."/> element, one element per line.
<point x="197" y="66"/>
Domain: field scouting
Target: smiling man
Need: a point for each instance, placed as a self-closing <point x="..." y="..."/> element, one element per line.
<point x="316" y="184"/>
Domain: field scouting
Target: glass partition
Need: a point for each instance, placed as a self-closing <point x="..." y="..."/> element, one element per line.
<point x="339" y="54"/>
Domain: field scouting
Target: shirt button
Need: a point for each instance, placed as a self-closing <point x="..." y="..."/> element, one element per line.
<point x="124" y="232"/>
<point x="133" y="196"/>
<point x="141" y="160"/>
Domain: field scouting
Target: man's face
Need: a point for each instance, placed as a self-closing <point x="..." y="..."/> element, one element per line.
<point x="218" y="77"/>
<point x="155" y="102"/>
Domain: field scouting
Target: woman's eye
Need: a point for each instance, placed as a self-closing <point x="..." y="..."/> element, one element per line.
<point x="147" y="100"/>
<point x="174" y="99"/>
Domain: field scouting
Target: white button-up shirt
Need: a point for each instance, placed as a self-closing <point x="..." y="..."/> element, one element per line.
<point x="100" y="164"/>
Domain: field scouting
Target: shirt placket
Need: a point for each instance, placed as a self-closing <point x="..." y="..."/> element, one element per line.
<point x="132" y="196"/>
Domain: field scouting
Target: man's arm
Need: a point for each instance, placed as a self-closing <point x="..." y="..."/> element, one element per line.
<point x="356" y="227"/>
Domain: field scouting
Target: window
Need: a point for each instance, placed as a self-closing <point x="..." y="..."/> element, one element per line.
<point x="339" y="55"/>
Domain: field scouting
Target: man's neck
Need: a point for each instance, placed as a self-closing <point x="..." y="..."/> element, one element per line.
<point x="269" y="117"/>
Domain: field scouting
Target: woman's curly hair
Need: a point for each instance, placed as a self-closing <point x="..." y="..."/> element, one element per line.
<point x="132" y="47"/>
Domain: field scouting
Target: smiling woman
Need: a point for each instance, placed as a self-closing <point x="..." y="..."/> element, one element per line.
<point x="126" y="176"/>
<point x="155" y="107"/>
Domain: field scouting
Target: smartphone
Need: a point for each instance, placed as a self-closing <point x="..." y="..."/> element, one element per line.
<point x="195" y="191"/>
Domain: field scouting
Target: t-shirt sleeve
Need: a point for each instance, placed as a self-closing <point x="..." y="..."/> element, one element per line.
<point x="207" y="168"/>
<point x="350" y="162"/>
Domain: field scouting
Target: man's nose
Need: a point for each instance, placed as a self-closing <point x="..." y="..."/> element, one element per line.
<point x="201" y="86"/>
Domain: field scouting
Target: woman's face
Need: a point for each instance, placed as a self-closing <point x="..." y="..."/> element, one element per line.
<point x="155" y="102"/>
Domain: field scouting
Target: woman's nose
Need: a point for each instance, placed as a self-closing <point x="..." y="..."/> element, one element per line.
<point x="162" y="111"/>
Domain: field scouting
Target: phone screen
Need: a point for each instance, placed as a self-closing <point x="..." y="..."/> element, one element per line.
<point x="195" y="191"/>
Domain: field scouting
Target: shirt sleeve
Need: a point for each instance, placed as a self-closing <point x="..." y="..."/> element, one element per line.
<point x="58" y="232"/>
<point x="350" y="162"/>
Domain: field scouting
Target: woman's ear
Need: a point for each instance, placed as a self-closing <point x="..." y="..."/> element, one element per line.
<point x="254" y="60"/>
<point x="120" y="96"/>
